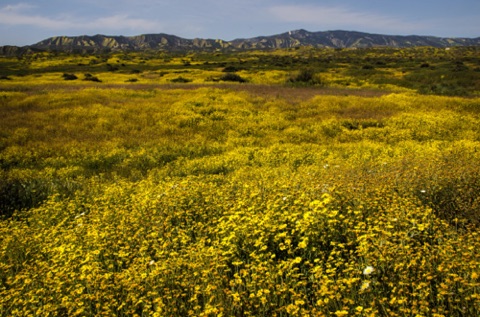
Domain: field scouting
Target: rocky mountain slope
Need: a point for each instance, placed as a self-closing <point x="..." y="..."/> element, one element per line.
<point x="331" y="39"/>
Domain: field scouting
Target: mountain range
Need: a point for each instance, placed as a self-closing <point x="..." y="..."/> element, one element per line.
<point x="297" y="38"/>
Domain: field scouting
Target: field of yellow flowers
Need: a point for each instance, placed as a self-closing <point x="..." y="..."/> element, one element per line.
<point x="236" y="200"/>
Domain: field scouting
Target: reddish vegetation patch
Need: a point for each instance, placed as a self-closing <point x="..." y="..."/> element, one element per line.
<point x="268" y="91"/>
<point x="279" y="91"/>
<point x="303" y="93"/>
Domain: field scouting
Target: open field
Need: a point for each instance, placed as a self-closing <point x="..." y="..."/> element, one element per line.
<point x="287" y="183"/>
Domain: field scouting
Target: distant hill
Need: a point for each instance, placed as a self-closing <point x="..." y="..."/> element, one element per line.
<point x="349" y="39"/>
<point x="297" y="38"/>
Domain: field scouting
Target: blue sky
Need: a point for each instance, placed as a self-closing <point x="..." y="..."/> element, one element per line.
<point x="30" y="21"/>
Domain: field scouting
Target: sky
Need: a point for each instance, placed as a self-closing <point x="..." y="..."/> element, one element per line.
<point x="27" y="22"/>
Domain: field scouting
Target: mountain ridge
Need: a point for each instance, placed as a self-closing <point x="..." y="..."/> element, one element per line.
<point x="290" y="39"/>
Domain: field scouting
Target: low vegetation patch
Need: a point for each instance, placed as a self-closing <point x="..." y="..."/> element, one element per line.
<point x="180" y="79"/>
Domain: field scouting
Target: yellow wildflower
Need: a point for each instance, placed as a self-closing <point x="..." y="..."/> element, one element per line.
<point x="365" y="285"/>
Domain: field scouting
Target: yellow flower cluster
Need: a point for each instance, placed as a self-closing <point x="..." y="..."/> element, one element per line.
<point x="214" y="202"/>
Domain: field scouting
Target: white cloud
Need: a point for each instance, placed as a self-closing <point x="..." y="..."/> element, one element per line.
<point x="340" y="17"/>
<point x="17" y="15"/>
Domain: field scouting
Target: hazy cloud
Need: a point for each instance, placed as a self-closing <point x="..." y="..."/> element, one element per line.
<point x="19" y="15"/>
<point x="17" y="7"/>
<point x="121" y="22"/>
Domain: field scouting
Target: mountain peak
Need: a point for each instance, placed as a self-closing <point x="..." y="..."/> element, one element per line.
<point x="299" y="31"/>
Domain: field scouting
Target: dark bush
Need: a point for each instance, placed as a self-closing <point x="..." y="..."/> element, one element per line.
<point x="112" y="68"/>
<point x="230" y="69"/>
<point x="69" y="76"/>
<point x="21" y="194"/>
<point x="233" y="77"/>
<point x="180" y="80"/>
<point x="459" y="66"/>
<point x="90" y="77"/>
